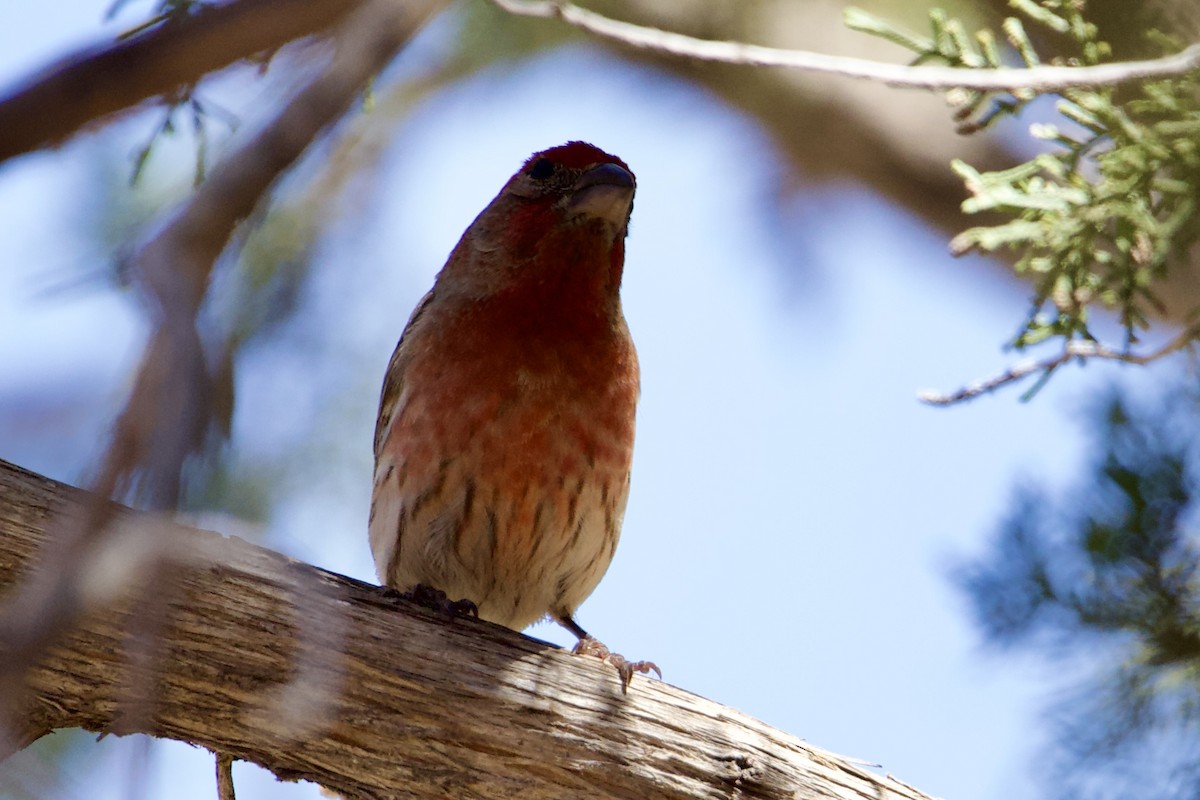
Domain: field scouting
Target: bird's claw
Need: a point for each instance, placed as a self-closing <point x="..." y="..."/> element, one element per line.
<point x="437" y="600"/>
<point x="590" y="646"/>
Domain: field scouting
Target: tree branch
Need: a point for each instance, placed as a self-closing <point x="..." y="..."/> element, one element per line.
<point x="50" y="106"/>
<point x="1041" y="79"/>
<point x="172" y="404"/>
<point x="413" y="704"/>
<point x="1075" y="349"/>
<point x="174" y="263"/>
<point x="225" y="790"/>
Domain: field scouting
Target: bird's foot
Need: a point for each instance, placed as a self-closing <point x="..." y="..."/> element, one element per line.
<point x="590" y="646"/>
<point x="437" y="600"/>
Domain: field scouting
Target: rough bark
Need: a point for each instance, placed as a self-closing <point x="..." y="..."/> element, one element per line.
<point x="316" y="676"/>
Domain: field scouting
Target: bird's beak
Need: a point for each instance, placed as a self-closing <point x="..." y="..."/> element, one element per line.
<point x="605" y="192"/>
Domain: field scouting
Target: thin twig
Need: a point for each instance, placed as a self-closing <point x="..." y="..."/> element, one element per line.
<point x="1041" y="78"/>
<point x="225" y="777"/>
<point x="1078" y="348"/>
<point x="91" y="83"/>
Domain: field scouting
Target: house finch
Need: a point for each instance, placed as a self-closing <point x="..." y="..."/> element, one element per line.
<point x="505" y="430"/>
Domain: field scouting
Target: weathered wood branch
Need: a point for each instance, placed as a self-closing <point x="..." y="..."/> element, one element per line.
<point x="319" y="677"/>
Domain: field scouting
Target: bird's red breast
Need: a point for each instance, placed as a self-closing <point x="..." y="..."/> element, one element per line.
<point x="506" y="424"/>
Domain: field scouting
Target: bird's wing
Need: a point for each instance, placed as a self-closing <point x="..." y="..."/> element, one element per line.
<point x="393" y="381"/>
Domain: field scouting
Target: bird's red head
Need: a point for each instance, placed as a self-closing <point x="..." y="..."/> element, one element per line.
<point x="558" y="225"/>
<point x="575" y="155"/>
<point x="578" y="180"/>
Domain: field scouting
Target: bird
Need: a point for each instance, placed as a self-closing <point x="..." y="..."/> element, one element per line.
<point x="505" y="432"/>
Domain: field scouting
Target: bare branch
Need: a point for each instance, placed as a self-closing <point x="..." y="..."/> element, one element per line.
<point x="169" y="411"/>
<point x="1042" y="78"/>
<point x="432" y="707"/>
<point x="53" y="104"/>
<point x="225" y="777"/>
<point x="170" y="408"/>
<point x="1075" y="349"/>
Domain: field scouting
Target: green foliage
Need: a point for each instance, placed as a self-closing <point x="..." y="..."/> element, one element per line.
<point x="1108" y="576"/>
<point x="1102" y="217"/>
<point x="950" y="44"/>
<point x="183" y="101"/>
<point x="198" y="113"/>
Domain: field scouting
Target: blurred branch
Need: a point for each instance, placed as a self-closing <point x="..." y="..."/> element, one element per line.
<point x="1082" y="349"/>
<point x="50" y="106"/>
<point x="174" y="264"/>
<point x="429" y="706"/>
<point x="1041" y="78"/>
<point x="171" y="407"/>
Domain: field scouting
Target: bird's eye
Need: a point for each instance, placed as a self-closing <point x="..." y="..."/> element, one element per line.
<point x="542" y="168"/>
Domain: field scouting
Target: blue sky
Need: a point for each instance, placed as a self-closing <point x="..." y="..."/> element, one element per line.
<point x="794" y="509"/>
